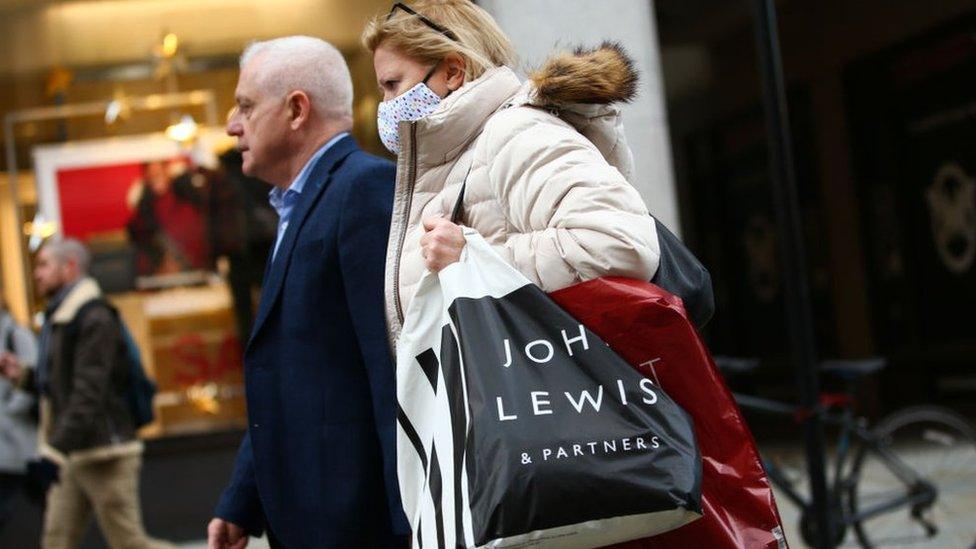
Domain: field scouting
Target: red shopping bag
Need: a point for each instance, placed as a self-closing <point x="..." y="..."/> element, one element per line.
<point x="649" y="328"/>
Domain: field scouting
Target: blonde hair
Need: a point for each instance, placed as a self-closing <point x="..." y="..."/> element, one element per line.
<point x="480" y="41"/>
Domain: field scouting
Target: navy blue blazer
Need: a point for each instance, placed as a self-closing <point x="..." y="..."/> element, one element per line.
<point x="318" y="463"/>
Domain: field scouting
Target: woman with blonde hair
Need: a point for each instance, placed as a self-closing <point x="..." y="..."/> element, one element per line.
<point x="544" y="164"/>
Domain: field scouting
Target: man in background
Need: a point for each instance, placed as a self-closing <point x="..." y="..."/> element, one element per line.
<point x="87" y="435"/>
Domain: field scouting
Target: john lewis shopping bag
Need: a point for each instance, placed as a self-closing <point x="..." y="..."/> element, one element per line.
<point x="519" y="427"/>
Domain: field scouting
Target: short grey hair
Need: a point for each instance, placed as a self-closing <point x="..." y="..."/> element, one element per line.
<point x="65" y="249"/>
<point x="305" y="63"/>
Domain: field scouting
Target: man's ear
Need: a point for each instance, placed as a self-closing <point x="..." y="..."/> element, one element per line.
<point x="299" y="108"/>
<point x="455" y="71"/>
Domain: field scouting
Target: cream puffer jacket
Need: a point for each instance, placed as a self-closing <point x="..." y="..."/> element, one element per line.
<point x="548" y="182"/>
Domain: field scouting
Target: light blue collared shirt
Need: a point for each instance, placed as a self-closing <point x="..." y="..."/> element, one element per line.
<point x="284" y="201"/>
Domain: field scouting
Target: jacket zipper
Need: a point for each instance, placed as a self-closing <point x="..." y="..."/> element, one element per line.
<point x="405" y="221"/>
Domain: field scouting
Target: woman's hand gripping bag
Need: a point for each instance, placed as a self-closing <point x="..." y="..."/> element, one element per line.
<point x="649" y="328"/>
<point x="518" y="427"/>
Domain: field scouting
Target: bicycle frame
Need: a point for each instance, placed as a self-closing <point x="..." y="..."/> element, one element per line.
<point x="849" y="427"/>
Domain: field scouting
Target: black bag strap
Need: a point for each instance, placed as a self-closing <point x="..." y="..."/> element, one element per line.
<point x="458" y="209"/>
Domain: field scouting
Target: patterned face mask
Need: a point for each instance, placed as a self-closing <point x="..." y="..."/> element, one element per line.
<point x="413" y="104"/>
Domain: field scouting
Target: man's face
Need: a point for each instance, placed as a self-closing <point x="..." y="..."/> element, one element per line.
<point x="49" y="273"/>
<point x="260" y="123"/>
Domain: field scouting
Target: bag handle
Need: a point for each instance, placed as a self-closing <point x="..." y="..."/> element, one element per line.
<point x="458" y="209"/>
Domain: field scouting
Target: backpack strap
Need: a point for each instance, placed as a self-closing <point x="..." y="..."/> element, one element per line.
<point x="73" y="328"/>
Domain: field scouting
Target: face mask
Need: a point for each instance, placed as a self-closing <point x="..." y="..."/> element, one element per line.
<point x="413" y="104"/>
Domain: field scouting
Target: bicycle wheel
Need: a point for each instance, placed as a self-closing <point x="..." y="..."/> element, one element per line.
<point x="937" y="445"/>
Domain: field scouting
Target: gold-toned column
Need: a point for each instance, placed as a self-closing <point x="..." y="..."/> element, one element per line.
<point x="12" y="258"/>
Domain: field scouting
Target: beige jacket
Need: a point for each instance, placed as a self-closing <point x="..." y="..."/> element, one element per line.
<point x="548" y="183"/>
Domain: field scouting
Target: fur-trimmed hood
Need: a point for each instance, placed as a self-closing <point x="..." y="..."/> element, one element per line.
<point x="585" y="88"/>
<point x="600" y="75"/>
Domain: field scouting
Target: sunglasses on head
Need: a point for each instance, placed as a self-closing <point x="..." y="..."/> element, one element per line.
<point x="400" y="5"/>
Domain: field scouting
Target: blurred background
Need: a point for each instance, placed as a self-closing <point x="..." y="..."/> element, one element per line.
<point x="108" y="102"/>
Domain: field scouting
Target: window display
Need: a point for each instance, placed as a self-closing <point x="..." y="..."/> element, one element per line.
<point x="168" y="233"/>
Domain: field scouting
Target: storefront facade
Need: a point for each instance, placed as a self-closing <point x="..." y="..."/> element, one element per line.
<point x="879" y="102"/>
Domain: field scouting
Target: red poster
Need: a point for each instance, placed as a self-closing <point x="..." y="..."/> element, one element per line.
<point x="93" y="199"/>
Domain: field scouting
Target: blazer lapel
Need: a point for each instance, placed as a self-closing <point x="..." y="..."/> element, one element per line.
<point x="318" y="181"/>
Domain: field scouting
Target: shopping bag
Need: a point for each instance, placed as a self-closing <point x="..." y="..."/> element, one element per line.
<point x="649" y="328"/>
<point x="680" y="273"/>
<point x="517" y="426"/>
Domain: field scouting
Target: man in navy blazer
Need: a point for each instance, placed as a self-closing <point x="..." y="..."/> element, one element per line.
<point x="317" y="466"/>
